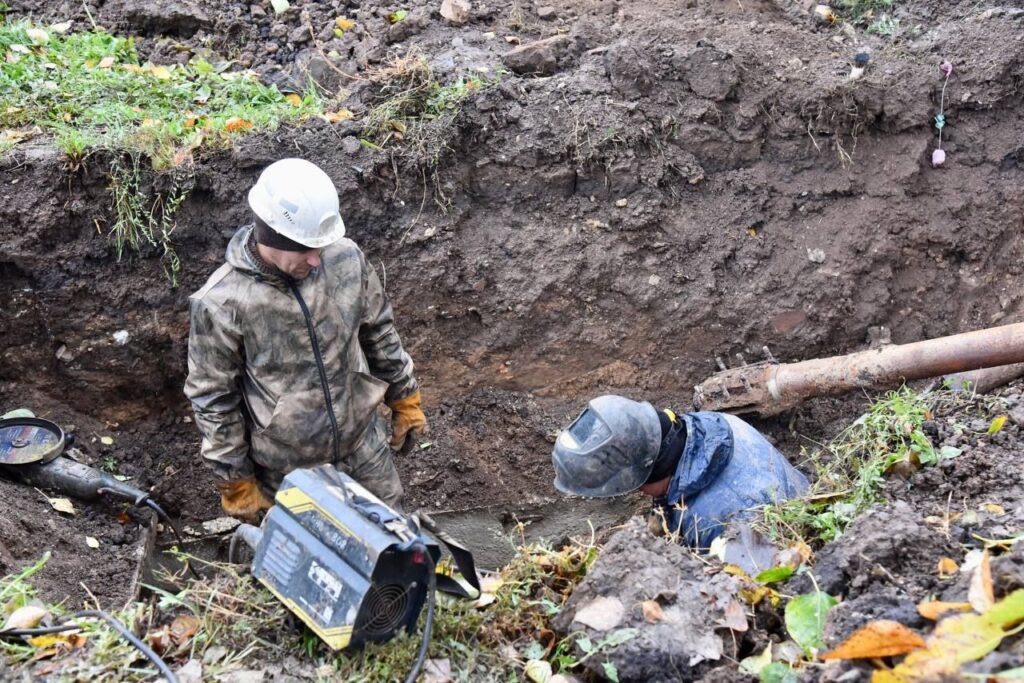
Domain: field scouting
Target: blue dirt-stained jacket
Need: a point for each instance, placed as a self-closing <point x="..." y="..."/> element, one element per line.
<point x="727" y="468"/>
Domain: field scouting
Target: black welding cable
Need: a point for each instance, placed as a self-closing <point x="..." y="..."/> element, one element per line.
<point x="164" y="517"/>
<point x="160" y="664"/>
<point x="428" y="623"/>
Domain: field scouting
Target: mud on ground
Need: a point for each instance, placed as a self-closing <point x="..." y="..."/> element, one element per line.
<point x="658" y="184"/>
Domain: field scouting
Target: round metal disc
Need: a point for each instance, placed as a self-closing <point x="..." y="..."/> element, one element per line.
<point x="29" y="439"/>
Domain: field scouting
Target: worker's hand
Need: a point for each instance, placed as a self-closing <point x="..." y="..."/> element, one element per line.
<point x="243" y="498"/>
<point x="407" y="422"/>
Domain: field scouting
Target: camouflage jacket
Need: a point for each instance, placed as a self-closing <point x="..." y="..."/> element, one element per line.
<point x="254" y="378"/>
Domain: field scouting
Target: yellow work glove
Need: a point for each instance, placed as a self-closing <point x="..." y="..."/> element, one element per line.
<point x="407" y="421"/>
<point x="243" y="498"/>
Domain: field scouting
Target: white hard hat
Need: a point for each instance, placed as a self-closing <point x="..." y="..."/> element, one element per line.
<point x="299" y="201"/>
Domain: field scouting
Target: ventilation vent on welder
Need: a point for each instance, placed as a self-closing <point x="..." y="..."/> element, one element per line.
<point x="282" y="557"/>
<point x="385" y="609"/>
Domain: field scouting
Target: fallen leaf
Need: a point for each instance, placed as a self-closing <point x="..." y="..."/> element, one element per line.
<point x="882" y="638"/>
<point x="92" y="542"/>
<point x="947" y="567"/>
<point x="106" y="63"/>
<point x="106" y="440"/>
<point x="21" y="49"/>
<point x="993" y="509"/>
<point x="294" y="99"/>
<point x="997" y="425"/>
<point x="491" y="583"/>
<point x="62" y="28"/>
<point x="652" y="611"/>
<point x="162" y="72"/>
<point x="980" y="593"/>
<point x="397" y="16"/>
<point x="344" y="23"/>
<point x="337" y="116"/>
<point x="484" y="600"/>
<point x="184" y="627"/>
<point x="805" y="619"/>
<point x="601" y="614"/>
<point x="753" y="664"/>
<point x="437" y="671"/>
<point x="735" y="617"/>
<point x="717" y="548"/>
<point x="28" y="616"/>
<point x="752" y="232"/>
<point x="774" y="575"/>
<point x="38" y="36"/>
<point x="237" y="124"/>
<point x="538" y="671"/>
<point x="280" y="6"/>
<point x="62" y="505"/>
<point x="933" y="609"/>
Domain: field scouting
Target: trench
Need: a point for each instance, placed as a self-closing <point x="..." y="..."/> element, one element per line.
<point x="719" y="220"/>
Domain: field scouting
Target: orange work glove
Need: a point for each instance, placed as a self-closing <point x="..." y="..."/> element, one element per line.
<point x="407" y="421"/>
<point x="243" y="498"/>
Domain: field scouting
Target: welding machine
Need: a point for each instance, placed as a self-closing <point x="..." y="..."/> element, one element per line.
<point x="346" y="564"/>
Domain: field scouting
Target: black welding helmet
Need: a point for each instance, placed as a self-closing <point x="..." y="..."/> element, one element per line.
<point x="609" y="449"/>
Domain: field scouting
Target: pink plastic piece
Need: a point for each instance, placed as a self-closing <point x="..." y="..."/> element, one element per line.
<point x="938" y="158"/>
<point x="947" y="68"/>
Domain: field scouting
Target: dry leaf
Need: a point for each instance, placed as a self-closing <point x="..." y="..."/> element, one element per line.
<point x="538" y="671"/>
<point x="993" y="509"/>
<point x="336" y="116"/>
<point x="980" y="593"/>
<point x="601" y="613"/>
<point x="294" y="99"/>
<point x="881" y="638"/>
<point x="236" y="124"/>
<point x="484" y="600"/>
<point x="28" y="616"/>
<point x="652" y="611"/>
<point x="184" y="627"/>
<point x="280" y="6"/>
<point x="735" y="617"/>
<point x="62" y="505"/>
<point x="344" y="23"/>
<point x="106" y="440"/>
<point x="92" y="542"/>
<point x="38" y="36"/>
<point x="162" y="72"/>
<point x="933" y="609"/>
<point x="947" y="567"/>
<point x="491" y="583"/>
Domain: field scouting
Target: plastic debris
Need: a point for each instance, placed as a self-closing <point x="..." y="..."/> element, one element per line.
<point x="121" y="337"/>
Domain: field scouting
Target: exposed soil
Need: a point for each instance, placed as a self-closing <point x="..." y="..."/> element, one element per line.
<point x="658" y="184"/>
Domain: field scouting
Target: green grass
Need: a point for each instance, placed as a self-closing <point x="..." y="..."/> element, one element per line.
<point x="859" y="11"/>
<point x="91" y="91"/>
<point x="850" y="470"/>
<point x="239" y="624"/>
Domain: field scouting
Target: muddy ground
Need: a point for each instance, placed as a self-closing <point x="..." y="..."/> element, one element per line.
<point x="656" y="185"/>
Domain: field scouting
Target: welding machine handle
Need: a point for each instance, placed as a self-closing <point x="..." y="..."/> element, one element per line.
<point x="78" y="480"/>
<point x="463" y="561"/>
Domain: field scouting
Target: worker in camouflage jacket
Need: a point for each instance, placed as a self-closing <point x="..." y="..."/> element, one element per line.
<point x="292" y="349"/>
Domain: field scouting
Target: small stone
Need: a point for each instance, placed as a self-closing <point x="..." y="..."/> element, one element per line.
<point x="299" y="35"/>
<point x="456" y="11"/>
<point x="816" y="255"/>
<point x="654" y="280"/>
<point x="121" y="337"/>
<point x="622" y="203"/>
<point x="278" y="31"/>
<point x="257" y="12"/>
<point x="546" y="12"/>
<point x="350" y="145"/>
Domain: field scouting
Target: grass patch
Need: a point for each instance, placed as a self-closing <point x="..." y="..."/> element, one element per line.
<point x="91" y="91"/>
<point x="850" y="469"/>
<point x="862" y="11"/>
<point x="229" y="622"/>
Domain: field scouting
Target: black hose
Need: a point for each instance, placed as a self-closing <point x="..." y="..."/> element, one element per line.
<point x="164" y="517"/>
<point x="428" y="623"/>
<point x="152" y="656"/>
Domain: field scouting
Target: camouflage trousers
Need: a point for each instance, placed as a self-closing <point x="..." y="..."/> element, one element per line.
<point x="370" y="463"/>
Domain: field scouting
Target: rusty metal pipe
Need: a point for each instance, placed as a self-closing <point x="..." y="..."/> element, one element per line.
<point x="770" y="388"/>
<point x="984" y="380"/>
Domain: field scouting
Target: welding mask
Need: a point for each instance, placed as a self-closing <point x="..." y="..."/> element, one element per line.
<point x="609" y="449"/>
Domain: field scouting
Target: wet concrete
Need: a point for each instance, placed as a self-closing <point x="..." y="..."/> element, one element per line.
<point x="493" y="533"/>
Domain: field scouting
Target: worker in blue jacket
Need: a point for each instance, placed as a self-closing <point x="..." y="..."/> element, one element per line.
<point x="704" y="469"/>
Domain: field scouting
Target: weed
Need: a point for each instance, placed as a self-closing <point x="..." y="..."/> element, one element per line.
<point x="238" y="624"/>
<point x="850" y="469"/>
<point x="860" y="11"/>
<point x="91" y="90"/>
<point x="145" y="217"/>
